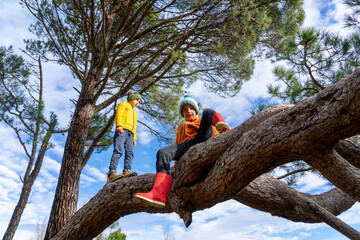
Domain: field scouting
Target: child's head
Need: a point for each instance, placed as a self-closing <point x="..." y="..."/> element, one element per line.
<point x="188" y="108"/>
<point x="134" y="98"/>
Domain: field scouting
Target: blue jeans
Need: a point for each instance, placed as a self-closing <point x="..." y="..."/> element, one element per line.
<point x="122" y="141"/>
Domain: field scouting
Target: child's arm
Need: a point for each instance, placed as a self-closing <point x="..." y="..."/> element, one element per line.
<point x="119" y="117"/>
<point x="178" y="133"/>
<point x="119" y="129"/>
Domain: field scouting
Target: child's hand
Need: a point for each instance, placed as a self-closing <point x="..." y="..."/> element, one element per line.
<point x="134" y="143"/>
<point x="119" y="129"/>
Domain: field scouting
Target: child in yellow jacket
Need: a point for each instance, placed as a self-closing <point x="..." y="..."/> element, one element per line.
<point x="192" y="131"/>
<point x="125" y="136"/>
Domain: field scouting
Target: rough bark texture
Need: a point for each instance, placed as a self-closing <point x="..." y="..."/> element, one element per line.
<point x="66" y="195"/>
<point x="233" y="166"/>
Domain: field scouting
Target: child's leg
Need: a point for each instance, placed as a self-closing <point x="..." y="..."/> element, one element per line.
<point x="119" y="140"/>
<point x="205" y="129"/>
<point x="173" y="152"/>
<point x="129" y="152"/>
<point x="210" y="118"/>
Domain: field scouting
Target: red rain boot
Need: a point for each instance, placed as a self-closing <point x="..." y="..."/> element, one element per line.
<point x="219" y="123"/>
<point x="157" y="196"/>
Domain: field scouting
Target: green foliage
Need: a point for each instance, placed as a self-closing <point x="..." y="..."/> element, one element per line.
<point x="315" y="59"/>
<point x="22" y="109"/>
<point x="352" y="19"/>
<point x="260" y="107"/>
<point x="97" y="124"/>
<point x="117" y="235"/>
<point x="18" y="107"/>
<point x="162" y="106"/>
<point x="222" y="34"/>
<point x="154" y="47"/>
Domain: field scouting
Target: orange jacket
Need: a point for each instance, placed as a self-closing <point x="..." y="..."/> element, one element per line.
<point x="187" y="130"/>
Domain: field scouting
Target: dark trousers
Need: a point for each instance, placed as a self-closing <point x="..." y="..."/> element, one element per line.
<point x="121" y="141"/>
<point x="174" y="152"/>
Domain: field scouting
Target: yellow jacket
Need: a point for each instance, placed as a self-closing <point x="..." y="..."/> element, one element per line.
<point x="126" y="117"/>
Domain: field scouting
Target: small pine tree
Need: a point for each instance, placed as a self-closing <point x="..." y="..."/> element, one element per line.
<point x="117" y="235"/>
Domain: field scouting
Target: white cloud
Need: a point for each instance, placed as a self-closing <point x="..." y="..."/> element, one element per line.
<point x="14" y="22"/>
<point x="58" y="91"/>
<point x="312" y="12"/>
<point x="51" y="165"/>
<point x="353" y="216"/>
<point x="326" y="15"/>
<point x="235" y="110"/>
<point x="94" y="172"/>
<point x="228" y="220"/>
<point x="313" y="183"/>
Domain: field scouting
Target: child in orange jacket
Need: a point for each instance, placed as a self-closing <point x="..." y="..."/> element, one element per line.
<point x="194" y="130"/>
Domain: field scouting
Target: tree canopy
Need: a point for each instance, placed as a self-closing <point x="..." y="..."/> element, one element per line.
<point x="154" y="47"/>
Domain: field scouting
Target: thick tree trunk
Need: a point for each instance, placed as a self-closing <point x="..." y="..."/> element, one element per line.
<point x="231" y="166"/>
<point x="67" y="190"/>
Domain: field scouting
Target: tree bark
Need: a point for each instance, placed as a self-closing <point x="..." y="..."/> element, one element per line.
<point x="231" y="166"/>
<point x="115" y="200"/>
<point x="66" y="194"/>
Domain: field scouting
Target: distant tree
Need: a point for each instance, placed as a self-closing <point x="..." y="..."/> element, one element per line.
<point x="21" y="108"/>
<point x="117" y="235"/>
<point x="154" y="47"/>
<point x="260" y="107"/>
<point x="40" y="230"/>
<point x="315" y="60"/>
<point x="167" y="234"/>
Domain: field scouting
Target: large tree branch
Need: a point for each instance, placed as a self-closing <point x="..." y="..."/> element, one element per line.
<point x="229" y="165"/>
<point x="116" y="200"/>
<point x="279" y="199"/>
<point x="338" y="171"/>
<point x="266" y="193"/>
<point x="350" y="150"/>
<point x="327" y="117"/>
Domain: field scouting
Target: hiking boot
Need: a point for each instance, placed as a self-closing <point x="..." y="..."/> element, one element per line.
<point x="112" y="176"/>
<point x="128" y="173"/>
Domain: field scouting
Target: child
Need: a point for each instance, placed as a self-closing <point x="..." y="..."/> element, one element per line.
<point x="125" y="136"/>
<point x="194" y="130"/>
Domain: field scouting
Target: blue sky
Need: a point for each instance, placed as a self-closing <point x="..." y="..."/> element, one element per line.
<point x="228" y="220"/>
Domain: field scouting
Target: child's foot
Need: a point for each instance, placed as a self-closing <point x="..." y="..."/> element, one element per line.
<point x="128" y="173"/>
<point x="222" y="127"/>
<point x="219" y="123"/>
<point x="113" y="176"/>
